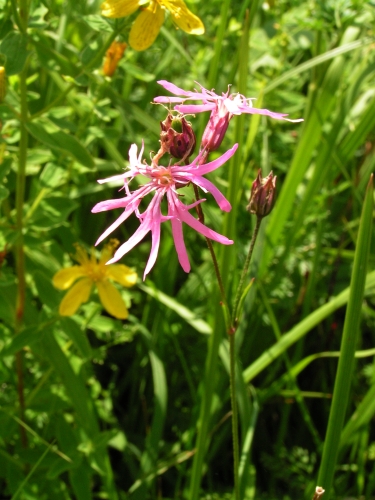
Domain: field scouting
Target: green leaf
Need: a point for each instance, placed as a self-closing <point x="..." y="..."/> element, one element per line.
<point x="74" y="386"/>
<point x="36" y="19"/>
<point x="77" y="336"/>
<point x="14" y="47"/>
<point x="348" y="345"/>
<point x="5" y="168"/>
<point x="52" y="212"/>
<point x="53" y="175"/>
<point x="98" y="23"/>
<point x="90" y="52"/>
<point x="46" y="291"/>
<point x="198" y="324"/>
<point x="4" y="193"/>
<point x="26" y="337"/>
<point x="50" y="135"/>
<point x="138" y="73"/>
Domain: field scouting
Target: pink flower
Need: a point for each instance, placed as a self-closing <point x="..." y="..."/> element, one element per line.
<point x="222" y="108"/>
<point x="163" y="181"/>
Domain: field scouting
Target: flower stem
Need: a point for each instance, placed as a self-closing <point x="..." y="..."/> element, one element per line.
<point x="19" y="246"/>
<point x="244" y="271"/>
<point x="233" y="399"/>
<point x="213" y="255"/>
<point x="232" y="353"/>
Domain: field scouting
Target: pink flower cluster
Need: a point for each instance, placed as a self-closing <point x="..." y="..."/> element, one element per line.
<point x="164" y="181"/>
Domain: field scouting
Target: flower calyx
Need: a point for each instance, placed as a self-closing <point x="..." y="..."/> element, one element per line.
<point x="177" y="137"/>
<point x="263" y="195"/>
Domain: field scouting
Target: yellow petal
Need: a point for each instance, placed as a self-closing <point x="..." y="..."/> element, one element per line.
<point x="146" y="27"/>
<point x="120" y="8"/>
<point x="76" y="296"/>
<point x="183" y="17"/>
<point x="66" y="277"/>
<point x="122" y="274"/>
<point x="111" y="299"/>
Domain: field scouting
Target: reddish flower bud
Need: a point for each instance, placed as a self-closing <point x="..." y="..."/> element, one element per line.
<point x="179" y="143"/>
<point x="216" y="127"/>
<point x="263" y="194"/>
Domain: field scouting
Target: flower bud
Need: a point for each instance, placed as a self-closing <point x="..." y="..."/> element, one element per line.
<point x="263" y="195"/>
<point x="214" y="132"/>
<point x="112" y="57"/>
<point x="179" y="144"/>
<point x="2" y="84"/>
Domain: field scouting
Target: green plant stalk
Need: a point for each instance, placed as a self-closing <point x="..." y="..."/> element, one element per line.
<point x="348" y="346"/>
<point x="27" y="478"/>
<point x="208" y="391"/>
<point x="245" y="271"/>
<point x="24" y="14"/>
<point x="212" y="253"/>
<point x="214" y="66"/>
<point x="211" y="369"/>
<point x="233" y="399"/>
<point x="19" y="247"/>
<point x="16" y="16"/>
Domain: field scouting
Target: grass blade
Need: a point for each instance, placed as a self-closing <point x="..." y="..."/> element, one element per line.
<point x="348" y="345"/>
<point x="301" y="329"/>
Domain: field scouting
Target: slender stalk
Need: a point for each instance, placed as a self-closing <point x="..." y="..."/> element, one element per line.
<point x="232" y="353"/>
<point x="233" y="398"/>
<point x="19" y="246"/>
<point x="16" y="15"/>
<point x="212" y="251"/>
<point x="210" y="372"/>
<point x="245" y="270"/>
<point x="24" y="14"/>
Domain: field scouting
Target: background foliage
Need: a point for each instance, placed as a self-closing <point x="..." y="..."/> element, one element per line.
<point x="111" y="407"/>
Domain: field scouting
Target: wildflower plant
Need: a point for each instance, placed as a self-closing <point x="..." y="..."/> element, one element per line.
<point x="167" y="180"/>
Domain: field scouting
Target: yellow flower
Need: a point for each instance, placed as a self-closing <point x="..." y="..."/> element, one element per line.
<point x="146" y="27"/>
<point x="94" y="272"/>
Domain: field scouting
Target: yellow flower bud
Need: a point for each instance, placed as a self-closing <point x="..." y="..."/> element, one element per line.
<point x="112" y="57"/>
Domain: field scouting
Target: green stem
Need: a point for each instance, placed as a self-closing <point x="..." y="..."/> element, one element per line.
<point x="24" y="14"/>
<point x="244" y="271"/>
<point x="209" y="384"/>
<point x="210" y="371"/>
<point x="212" y="252"/>
<point x="233" y="399"/>
<point x="19" y="246"/>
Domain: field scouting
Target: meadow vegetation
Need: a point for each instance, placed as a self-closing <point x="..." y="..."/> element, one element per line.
<point x="123" y="391"/>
